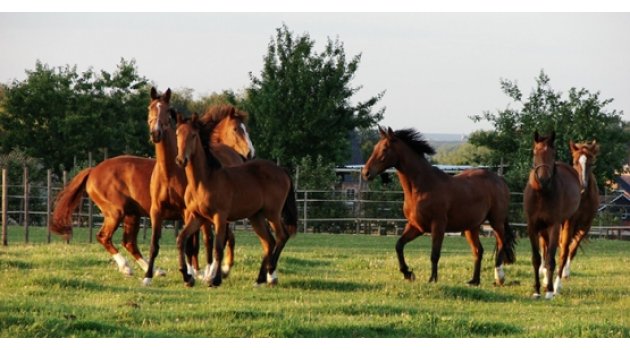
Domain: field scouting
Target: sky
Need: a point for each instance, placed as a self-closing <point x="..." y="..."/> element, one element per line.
<point x="436" y="68"/>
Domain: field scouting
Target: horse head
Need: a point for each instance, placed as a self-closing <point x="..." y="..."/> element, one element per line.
<point x="584" y="155"/>
<point x="187" y="133"/>
<point x="383" y="156"/>
<point x="544" y="159"/>
<point x="159" y="114"/>
<point x="231" y="131"/>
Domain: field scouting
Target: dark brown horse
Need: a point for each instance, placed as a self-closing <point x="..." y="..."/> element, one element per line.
<point x="119" y="188"/>
<point x="551" y="198"/>
<point x="168" y="182"/>
<point x="436" y="202"/>
<point x="256" y="190"/>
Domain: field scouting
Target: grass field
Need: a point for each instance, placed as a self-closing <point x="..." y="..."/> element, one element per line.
<point x="330" y="286"/>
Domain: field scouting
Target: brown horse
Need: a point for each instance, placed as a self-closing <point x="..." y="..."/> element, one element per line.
<point x="436" y="202"/>
<point x="256" y="190"/>
<point x="584" y="155"/>
<point x="168" y="181"/>
<point x="119" y="188"/>
<point x="551" y="197"/>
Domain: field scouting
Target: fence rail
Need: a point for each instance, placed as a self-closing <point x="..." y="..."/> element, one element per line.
<point x="361" y="212"/>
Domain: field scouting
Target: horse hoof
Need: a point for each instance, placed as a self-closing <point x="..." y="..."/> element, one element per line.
<point x="126" y="270"/>
<point x="410" y="276"/>
<point x="190" y="283"/>
<point x="225" y="271"/>
<point x="160" y="272"/>
<point x="146" y="281"/>
<point x="473" y="283"/>
<point x="549" y="295"/>
<point x="273" y="282"/>
<point x="536" y="296"/>
<point x="499" y="282"/>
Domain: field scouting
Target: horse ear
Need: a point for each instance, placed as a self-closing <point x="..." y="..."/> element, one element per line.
<point x="194" y="119"/>
<point x="552" y="138"/>
<point x="173" y="114"/>
<point x="572" y="146"/>
<point x="180" y="118"/>
<point x="167" y="96"/>
<point x="154" y="94"/>
<point x="536" y="136"/>
<point x="382" y="132"/>
<point x="390" y="132"/>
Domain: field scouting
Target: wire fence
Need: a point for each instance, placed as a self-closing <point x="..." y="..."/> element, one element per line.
<point x="27" y="205"/>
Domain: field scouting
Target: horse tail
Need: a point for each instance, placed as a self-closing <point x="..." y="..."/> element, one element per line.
<point x="290" y="211"/>
<point x="509" y="256"/>
<point x="66" y="202"/>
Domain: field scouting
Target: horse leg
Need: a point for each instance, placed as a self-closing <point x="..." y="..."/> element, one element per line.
<point x="208" y="242"/>
<point x="192" y="253"/>
<point x="534" y="240"/>
<point x="550" y="258"/>
<point x="543" y="252"/>
<point x="472" y="236"/>
<point x="437" y="237"/>
<point x="191" y="226"/>
<point x="156" y="233"/>
<point x="219" y="221"/>
<point x="499" y="235"/>
<point x="565" y="238"/>
<point x="281" y="240"/>
<point x="409" y="234"/>
<point x="104" y="237"/>
<point x="573" y="247"/>
<point x="228" y="260"/>
<point x="267" y="242"/>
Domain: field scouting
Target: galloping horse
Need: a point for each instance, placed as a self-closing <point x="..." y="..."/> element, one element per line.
<point x="168" y="181"/>
<point x="551" y="198"/>
<point x="584" y="156"/>
<point x="118" y="186"/>
<point x="436" y="202"/>
<point x="256" y="190"/>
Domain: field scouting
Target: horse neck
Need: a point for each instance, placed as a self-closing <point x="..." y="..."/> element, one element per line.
<point x="197" y="170"/>
<point x="414" y="171"/>
<point x="165" y="153"/>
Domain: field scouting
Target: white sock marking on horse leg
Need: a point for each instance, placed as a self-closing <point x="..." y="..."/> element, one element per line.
<point x="206" y="273"/>
<point x="272" y="277"/>
<point x="557" y="286"/>
<point x="499" y="274"/>
<point x="225" y="269"/>
<point x="143" y="264"/>
<point x="146" y="281"/>
<point x="549" y="295"/>
<point x="123" y="266"/>
<point x="567" y="268"/>
<point x="189" y="269"/>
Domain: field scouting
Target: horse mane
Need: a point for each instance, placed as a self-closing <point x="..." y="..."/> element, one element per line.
<point x="204" y="138"/>
<point x="215" y="114"/>
<point x="415" y="141"/>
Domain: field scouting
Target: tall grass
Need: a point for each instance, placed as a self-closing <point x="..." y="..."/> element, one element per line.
<point x="330" y="286"/>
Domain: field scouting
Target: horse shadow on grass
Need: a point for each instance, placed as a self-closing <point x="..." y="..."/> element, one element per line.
<point x="331" y="285"/>
<point x="475" y="294"/>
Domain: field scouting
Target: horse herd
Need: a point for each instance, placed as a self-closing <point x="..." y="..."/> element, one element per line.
<point x="205" y="174"/>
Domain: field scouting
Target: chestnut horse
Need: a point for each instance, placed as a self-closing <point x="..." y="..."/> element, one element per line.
<point x="119" y="188"/>
<point x="436" y="202"/>
<point x="551" y="198"/>
<point x="256" y="190"/>
<point x="168" y="181"/>
<point x="584" y="155"/>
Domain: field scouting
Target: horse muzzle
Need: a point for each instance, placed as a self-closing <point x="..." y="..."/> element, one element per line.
<point x="181" y="161"/>
<point x="367" y="174"/>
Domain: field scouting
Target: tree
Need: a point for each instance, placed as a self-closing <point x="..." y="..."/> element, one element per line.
<point x="461" y="154"/>
<point x="580" y="116"/>
<point x="300" y="105"/>
<point x="57" y="114"/>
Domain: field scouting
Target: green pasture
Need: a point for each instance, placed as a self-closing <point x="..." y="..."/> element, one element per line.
<point x="330" y="286"/>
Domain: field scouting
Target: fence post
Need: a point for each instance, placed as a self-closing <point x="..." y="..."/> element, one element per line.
<point x="4" y="208"/>
<point x="48" y="201"/>
<point x="90" y="207"/>
<point x="305" y="220"/>
<point x="26" y="204"/>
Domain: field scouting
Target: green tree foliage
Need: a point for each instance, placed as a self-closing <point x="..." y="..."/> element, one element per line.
<point x="461" y="154"/>
<point x="57" y="114"/>
<point x="184" y="101"/>
<point x="300" y="105"/>
<point x="579" y="115"/>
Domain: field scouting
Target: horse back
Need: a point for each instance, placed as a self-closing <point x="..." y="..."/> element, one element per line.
<point x="122" y="183"/>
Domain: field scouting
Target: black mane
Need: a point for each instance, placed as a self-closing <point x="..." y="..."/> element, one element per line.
<point x="415" y="140"/>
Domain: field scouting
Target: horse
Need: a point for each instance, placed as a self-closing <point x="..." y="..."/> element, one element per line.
<point x="118" y="186"/>
<point x="584" y="155"/>
<point x="436" y="202"/>
<point x="551" y="198"/>
<point x="168" y="181"/>
<point x="257" y="190"/>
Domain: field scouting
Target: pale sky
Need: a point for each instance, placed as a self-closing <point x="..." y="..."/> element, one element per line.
<point x="436" y="68"/>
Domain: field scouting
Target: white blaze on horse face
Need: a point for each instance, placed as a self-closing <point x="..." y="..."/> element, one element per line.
<point x="249" y="141"/>
<point x="158" y="126"/>
<point x="582" y="161"/>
